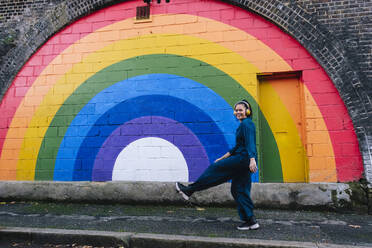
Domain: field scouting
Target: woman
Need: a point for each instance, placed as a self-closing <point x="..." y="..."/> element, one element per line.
<point x="236" y="165"/>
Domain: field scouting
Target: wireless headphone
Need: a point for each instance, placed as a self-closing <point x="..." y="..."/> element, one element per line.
<point x="247" y="106"/>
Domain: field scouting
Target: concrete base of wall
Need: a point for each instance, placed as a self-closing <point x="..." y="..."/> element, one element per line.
<point x="268" y="195"/>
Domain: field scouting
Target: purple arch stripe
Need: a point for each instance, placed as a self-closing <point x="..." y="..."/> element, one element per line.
<point x="150" y="126"/>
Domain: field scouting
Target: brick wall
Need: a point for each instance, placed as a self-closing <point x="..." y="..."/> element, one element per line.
<point x="11" y="9"/>
<point x="351" y="23"/>
<point x="335" y="32"/>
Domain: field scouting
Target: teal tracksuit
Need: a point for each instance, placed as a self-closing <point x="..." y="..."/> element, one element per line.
<point x="234" y="168"/>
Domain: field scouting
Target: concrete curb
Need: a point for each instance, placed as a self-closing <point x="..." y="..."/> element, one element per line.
<point x="62" y="236"/>
<point x="279" y="195"/>
<point x="144" y="240"/>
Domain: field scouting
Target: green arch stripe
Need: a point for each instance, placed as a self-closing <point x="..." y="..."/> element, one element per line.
<point x="196" y="70"/>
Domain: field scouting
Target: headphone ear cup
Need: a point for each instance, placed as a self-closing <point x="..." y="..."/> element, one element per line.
<point x="248" y="112"/>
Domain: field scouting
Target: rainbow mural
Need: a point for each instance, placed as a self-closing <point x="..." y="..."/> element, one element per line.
<point x="112" y="98"/>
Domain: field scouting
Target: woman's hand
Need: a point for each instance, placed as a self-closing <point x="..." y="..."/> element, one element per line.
<point x="223" y="157"/>
<point x="218" y="159"/>
<point x="252" y="165"/>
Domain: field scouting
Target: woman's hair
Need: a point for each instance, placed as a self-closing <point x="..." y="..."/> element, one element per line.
<point x="247" y="105"/>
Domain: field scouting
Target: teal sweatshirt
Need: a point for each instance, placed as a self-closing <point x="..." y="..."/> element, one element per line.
<point x="245" y="139"/>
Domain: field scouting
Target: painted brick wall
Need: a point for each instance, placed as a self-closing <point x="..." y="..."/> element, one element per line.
<point x="319" y="155"/>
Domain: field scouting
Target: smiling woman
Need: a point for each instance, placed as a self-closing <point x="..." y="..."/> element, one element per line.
<point x="236" y="165"/>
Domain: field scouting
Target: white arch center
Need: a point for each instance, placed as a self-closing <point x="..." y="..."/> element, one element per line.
<point x="150" y="159"/>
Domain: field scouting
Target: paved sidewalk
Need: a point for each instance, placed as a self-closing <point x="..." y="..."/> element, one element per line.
<point x="276" y="225"/>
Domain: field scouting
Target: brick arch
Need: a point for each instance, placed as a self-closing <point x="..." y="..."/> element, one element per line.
<point x="287" y="15"/>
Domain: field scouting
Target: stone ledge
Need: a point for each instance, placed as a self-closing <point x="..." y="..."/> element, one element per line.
<point x="270" y="195"/>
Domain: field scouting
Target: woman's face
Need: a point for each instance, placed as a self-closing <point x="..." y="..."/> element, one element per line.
<point x="240" y="112"/>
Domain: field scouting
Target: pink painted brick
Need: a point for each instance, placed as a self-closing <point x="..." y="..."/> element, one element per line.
<point x="316" y="74"/>
<point x="38" y="70"/>
<point x="291" y="53"/>
<point x="20" y="81"/>
<point x="321" y="86"/>
<point x="26" y="71"/>
<point x="261" y="23"/>
<point x="82" y="28"/>
<point x="260" y="32"/>
<point x="31" y="80"/>
<point x="348" y="162"/>
<point x="207" y="5"/>
<point x="3" y="123"/>
<point x="45" y="50"/>
<point x="54" y="40"/>
<point x="349" y="149"/>
<point x="227" y="14"/>
<point x="68" y="29"/>
<point x="240" y="13"/>
<point x="334" y="110"/>
<point x="348" y="124"/>
<point x="211" y="14"/>
<point x="344" y="136"/>
<point x="57" y="49"/>
<point x="8" y="111"/>
<point x="305" y="64"/>
<point x="47" y="59"/>
<point x="336" y="123"/>
<point x="96" y="16"/>
<point x="21" y="91"/>
<point x="3" y="131"/>
<point x="348" y="175"/>
<point x="179" y="8"/>
<point x="101" y="24"/>
<point x="69" y="38"/>
<point x="327" y="98"/>
<point x="117" y="15"/>
<point x="337" y="149"/>
<point x="12" y="101"/>
<point x="275" y="33"/>
<point x="159" y="8"/>
<point x="242" y="23"/>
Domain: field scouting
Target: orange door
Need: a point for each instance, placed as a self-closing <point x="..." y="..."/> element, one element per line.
<point x="281" y="102"/>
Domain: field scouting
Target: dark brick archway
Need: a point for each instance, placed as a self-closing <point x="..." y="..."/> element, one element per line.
<point x="291" y="17"/>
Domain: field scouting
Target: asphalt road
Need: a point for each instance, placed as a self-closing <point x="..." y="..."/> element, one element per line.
<point x="305" y="226"/>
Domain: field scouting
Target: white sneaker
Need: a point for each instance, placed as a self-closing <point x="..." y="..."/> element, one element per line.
<point x="180" y="189"/>
<point x="251" y="224"/>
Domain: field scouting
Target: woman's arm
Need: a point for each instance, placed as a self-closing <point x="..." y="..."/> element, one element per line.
<point x="249" y="132"/>
<point x="233" y="150"/>
<point x="250" y="145"/>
